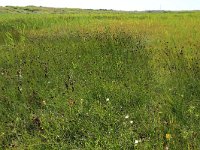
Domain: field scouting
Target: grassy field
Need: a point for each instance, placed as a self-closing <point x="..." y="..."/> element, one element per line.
<point x="100" y="81"/>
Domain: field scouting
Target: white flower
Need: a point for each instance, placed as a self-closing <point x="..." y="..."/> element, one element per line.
<point x="131" y="122"/>
<point x="107" y="99"/>
<point x="127" y="116"/>
<point x="136" y="141"/>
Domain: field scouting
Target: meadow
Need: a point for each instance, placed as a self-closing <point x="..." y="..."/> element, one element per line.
<point x="99" y="80"/>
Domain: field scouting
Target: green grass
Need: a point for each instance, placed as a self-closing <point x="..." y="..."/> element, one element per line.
<point x="92" y="80"/>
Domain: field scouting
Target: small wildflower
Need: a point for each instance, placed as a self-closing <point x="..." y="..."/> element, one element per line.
<point x="136" y="141"/>
<point x="107" y="99"/>
<point x="131" y="122"/>
<point x="48" y="82"/>
<point x="127" y="116"/>
<point x="182" y="95"/>
<point x="2" y="73"/>
<point x="168" y="136"/>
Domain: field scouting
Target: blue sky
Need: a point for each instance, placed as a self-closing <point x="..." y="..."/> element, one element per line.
<point x="111" y="4"/>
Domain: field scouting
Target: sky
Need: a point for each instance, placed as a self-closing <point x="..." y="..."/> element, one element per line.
<point x="128" y="5"/>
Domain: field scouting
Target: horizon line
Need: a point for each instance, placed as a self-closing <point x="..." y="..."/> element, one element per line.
<point x="157" y="10"/>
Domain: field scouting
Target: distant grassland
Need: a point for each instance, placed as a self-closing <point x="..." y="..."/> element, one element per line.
<point x="46" y="10"/>
<point x="99" y="80"/>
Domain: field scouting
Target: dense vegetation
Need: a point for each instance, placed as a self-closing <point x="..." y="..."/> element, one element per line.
<point x="93" y="80"/>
